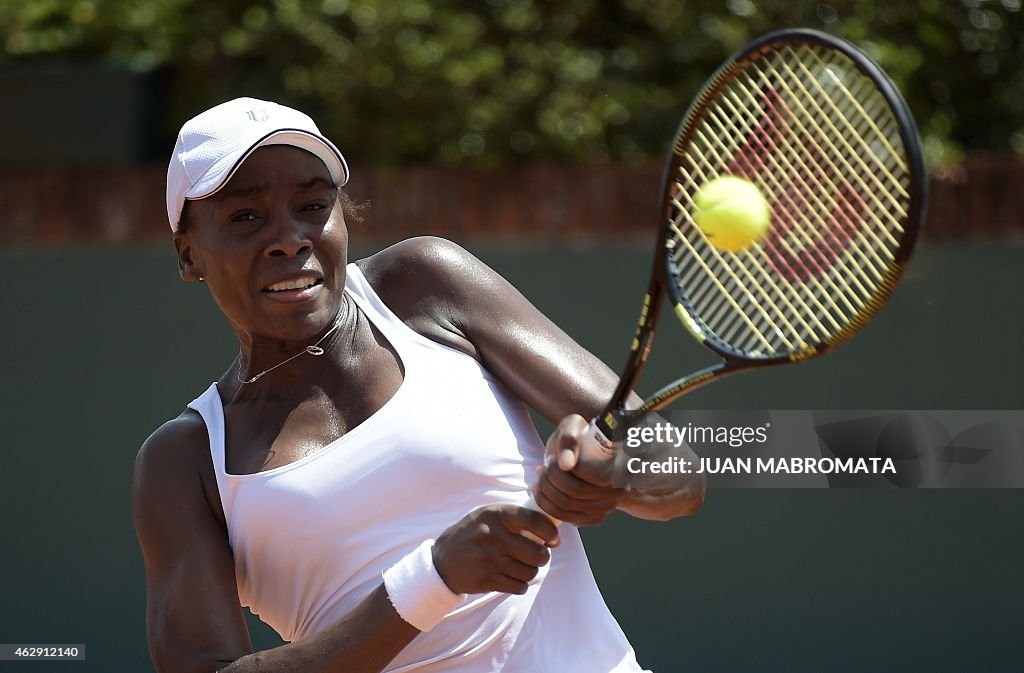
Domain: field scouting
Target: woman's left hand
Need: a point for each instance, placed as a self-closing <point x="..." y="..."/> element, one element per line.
<point x="576" y="483"/>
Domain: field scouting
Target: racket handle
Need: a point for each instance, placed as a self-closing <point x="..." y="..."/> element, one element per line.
<point x="593" y="440"/>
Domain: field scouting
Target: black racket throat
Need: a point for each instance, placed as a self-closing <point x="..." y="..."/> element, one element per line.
<point x="611" y="419"/>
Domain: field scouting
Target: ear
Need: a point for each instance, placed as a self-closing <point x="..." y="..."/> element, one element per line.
<point x="188" y="267"/>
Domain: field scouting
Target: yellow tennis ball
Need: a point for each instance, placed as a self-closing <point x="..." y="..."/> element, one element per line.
<point x="732" y="213"/>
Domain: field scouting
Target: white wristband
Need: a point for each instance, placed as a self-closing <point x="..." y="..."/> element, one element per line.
<point x="417" y="591"/>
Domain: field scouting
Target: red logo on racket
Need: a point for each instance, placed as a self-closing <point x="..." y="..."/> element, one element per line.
<point x="797" y="248"/>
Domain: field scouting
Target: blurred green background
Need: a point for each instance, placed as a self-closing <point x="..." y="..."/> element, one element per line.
<point x="495" y="81"/>
<point x="102" y="342"/>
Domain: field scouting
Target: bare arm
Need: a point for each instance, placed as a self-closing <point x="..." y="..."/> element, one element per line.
<point x="447" y="294"/>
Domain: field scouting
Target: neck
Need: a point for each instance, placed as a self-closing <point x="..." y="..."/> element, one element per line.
<point x="275" y="366"/>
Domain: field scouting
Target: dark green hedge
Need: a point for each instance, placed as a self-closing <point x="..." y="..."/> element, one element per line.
<point x="497" y="81"/>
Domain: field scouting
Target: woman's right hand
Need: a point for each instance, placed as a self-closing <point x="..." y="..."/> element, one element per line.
<point x="487" y="551"/>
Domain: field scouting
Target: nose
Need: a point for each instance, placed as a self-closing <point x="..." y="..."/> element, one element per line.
<point x="290" y="237"/>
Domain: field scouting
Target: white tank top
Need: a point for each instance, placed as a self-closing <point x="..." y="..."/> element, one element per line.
<point x="311" y="538"/>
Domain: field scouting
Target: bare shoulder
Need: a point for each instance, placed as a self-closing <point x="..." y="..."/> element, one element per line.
<point x="175" y="444"/>
<point x="432" y="284"/>
<point x="420" y="266"/>
<point x="173" y="461"/>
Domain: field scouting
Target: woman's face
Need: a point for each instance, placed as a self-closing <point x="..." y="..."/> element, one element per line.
<point x="271" y="245"/>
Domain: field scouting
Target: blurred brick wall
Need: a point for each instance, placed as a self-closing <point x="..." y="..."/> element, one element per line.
<point x="983" y="199"/>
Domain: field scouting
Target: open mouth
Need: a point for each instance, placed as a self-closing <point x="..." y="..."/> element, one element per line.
<point x="304" y="283"/>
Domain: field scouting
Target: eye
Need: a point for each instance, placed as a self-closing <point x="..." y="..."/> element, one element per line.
<point x="244" y="216"/>
<point x="316" y="205"/>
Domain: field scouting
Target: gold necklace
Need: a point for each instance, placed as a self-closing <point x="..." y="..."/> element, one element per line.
<point x="312" y="350"/>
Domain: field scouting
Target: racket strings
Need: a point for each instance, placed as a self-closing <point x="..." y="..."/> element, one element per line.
<point x="824" y="146"/>
<point x="806" y="88"/>
<point x="862" y="88"/>
<point x="795" y="209"/>
<point x="837" y="162"/>
<point x="796" y="204"/>
<point x="740" y="313"/>
<point x="850" y="157"/>
<point x="819" y="186"/>
<point x="761" y="325"/>
<point x="781" y="324"/>
<point x="767" y="278"/>
<point x="759" y="283"/>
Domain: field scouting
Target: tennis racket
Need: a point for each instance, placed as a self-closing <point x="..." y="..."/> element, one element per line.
<point x="827" y="138"/>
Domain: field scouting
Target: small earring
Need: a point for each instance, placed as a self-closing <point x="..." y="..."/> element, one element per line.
<point x="201" y="279"/>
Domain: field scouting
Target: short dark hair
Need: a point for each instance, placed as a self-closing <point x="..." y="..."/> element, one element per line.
<point x="353" y="211"/>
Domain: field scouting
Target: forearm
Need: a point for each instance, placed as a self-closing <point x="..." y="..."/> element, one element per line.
<point x="662" y="504"/>
<point x="363" y="641"/>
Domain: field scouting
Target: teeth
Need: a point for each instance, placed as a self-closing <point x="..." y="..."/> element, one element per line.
<point x="297" y="284"/>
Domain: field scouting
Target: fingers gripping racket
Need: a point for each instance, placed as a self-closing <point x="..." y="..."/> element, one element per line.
<point x="830" y="143"/>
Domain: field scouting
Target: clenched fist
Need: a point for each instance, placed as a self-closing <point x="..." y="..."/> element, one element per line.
<point x="487" y="551"/>
<point x="576" y="481"/>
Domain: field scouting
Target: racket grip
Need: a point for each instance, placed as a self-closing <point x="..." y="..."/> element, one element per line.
<point x="593" y="440"/>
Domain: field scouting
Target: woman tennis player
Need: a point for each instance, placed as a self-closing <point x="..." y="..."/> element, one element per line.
<point x="357" y="475"/>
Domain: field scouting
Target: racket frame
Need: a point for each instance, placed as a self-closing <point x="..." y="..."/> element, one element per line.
<point x="664" y="274"/>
